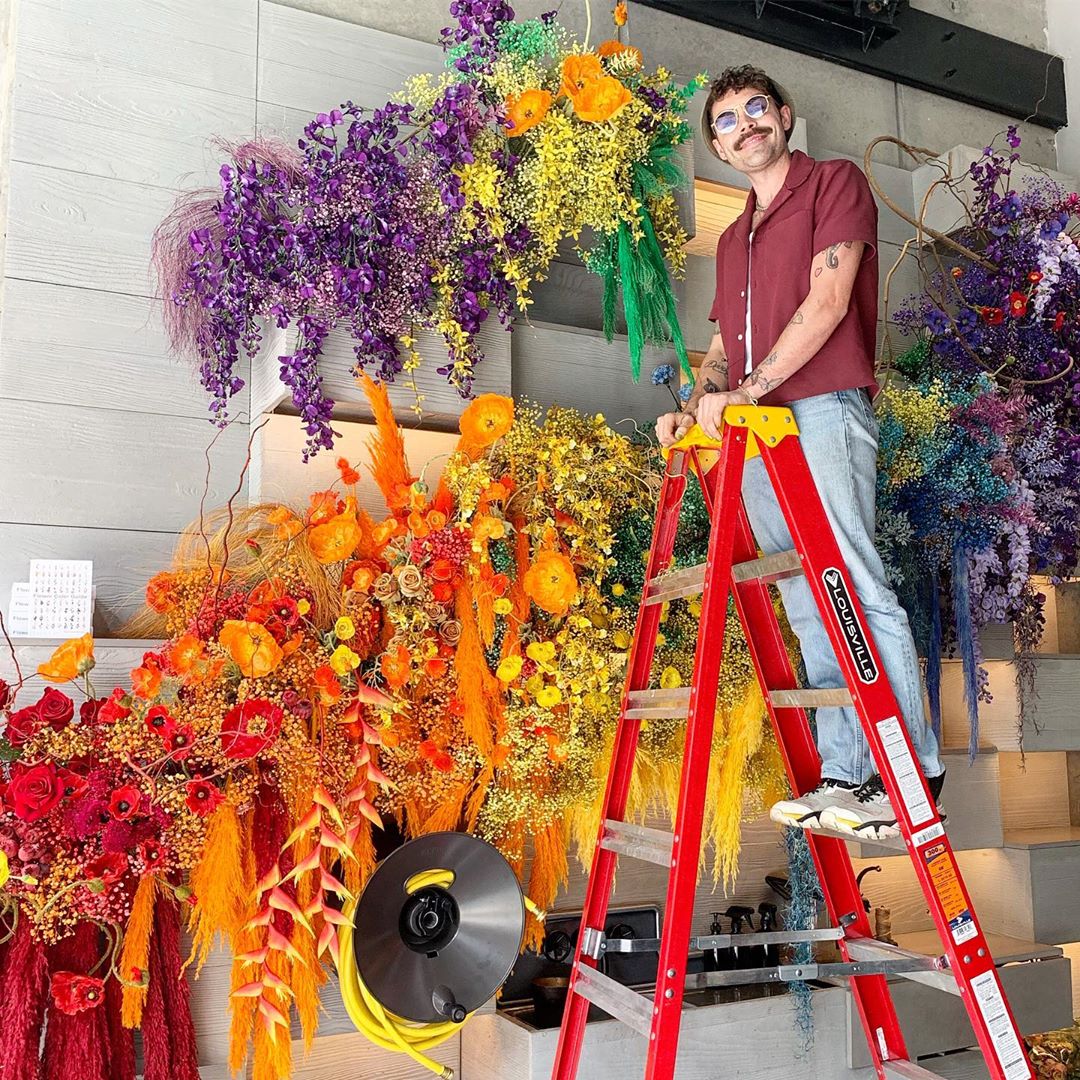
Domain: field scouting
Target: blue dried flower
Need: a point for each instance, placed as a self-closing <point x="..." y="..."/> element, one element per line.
<point x="685" y="391"/>
<point x="663" y="374"/>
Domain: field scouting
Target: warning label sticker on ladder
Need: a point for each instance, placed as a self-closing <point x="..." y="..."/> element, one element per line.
<point x="906" y="771"/>
<point x="991" y="1004"/>
<point x="946" y="883"/>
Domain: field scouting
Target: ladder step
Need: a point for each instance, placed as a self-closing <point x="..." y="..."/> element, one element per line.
<point x="674" y="584"/>
<point x="786" y="973"/>
<point x="632" y="1008"/>
<point x="658" y="704"/>
<point x="809" y="699"/>
<point x="907" y="1070"/>
<point x="783" y="564"/>
<point x="936" y="975"/>
<point x="649" y="845"/>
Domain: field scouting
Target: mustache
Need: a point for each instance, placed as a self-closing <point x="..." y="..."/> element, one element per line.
<point x="751" y="134"/>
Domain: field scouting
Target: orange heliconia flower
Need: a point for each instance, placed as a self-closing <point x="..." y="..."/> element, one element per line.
<point x="251" y="646"/>
<point x="488" y="418"/>
<point x="551" y="582"/>
<point x="614" y="48"/>
<point x="349" y="475"/>
<point x="600" y="99"/>
<point x="161" y="592"/>
<point x="335" y="539"/>
<point x="70" y="660"/>
<point x="526" y="110"/>
<point x="327" y="683"/>
<point x="396" y="667"/>
<point x="577" y="71"/>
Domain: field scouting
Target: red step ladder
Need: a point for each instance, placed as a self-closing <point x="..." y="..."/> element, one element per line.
<point x="733" y="566"/>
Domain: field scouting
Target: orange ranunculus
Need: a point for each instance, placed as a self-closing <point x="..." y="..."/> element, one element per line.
<point x="335" y="539"/>
<point x="161" y="592"/>
<point x="396" y="666"/>
<point x="348" y="474"/>
<point x="251" y="646"/>
<point x="146" y="678"/>
<point x="184" y="653"/>
<point x="436" y="520"/>
<point x="577" y="71"/>
<point x="70" y="660"/>
<point x="526" y="110"/>
<point x="327" y="682"/>
<point x="551" y="582"/>
<point x="486" y="419"/>
<point x="614" y="48"/>
<point x="600" y="99"/>
<point x="359" y="575"/>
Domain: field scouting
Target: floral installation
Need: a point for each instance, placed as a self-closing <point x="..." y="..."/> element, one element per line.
<point x="435" y="212"/>
<point x="979" y="484"/>
<point x="456" y="665"/>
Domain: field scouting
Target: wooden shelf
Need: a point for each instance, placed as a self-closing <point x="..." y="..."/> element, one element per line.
<point x="1050" y="836"/>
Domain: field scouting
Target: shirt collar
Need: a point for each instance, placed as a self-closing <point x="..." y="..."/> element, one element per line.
<point x="800" y="168"/>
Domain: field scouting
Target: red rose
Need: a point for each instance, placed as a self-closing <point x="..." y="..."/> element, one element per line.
<point x="125" y="801"/>
<point x="72" y="784"/>
<point x="250" y="728"/>
<point x="202" y="797"/>
<point x="34" y="789"/>
<point x="56" y="709"/>
<point x="89" y="709"/>
<point x="74" y="994"/>
<point x="178" y="742"/>
<point x="108" y="868"/>
<point x="5" y="694"/>
<point x="115" y="708"/>
<point x="23" y="725"/>
<point x="159" y="720"/>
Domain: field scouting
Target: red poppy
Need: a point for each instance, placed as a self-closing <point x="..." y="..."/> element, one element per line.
<point x="1018" y="304"/>
<point x="159" y="720"/>
<point x="73" y="994"/>
<point x="994" y="316"/>
<point x="250" y="728"/>
<point x="202" y="797"/>
<point x="115" y="708"/>
<point x="1035" y="277"/>
<point x="152" y="855"/>
<point x="124" y="802"/>
<point x="72" y="784"/>
<point x="178" y="742"/>
<point x="1059" y="322"/>
<point x="108" y="868"/>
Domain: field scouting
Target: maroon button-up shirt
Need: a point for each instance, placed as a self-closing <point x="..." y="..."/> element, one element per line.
<point x="821" y="203"/>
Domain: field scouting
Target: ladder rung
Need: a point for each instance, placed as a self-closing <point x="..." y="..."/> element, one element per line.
<point x="673" y="584"/>
<point x="722" y="941"/>
<point x="894" y="842"/>
<point x="632" y="1008"/>
<point x="783" y="564"/>
<point x="804" y="972"/>
<point x="658" y="704"/>
<point x="907" y="1070"/>
<point x="810" y="699"/>
<point x="937" y="973"/>
<point x="649" y="845"/>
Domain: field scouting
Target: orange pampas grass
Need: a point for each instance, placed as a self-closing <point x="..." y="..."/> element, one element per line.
<point x="549" y="871"/>
<point x="386" y="448"/>
<point x="218" y="881"/>
<point x="137" y="950"/>
<point x="477" y="687"/>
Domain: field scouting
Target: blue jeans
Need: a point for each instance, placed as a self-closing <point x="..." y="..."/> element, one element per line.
<point x="839" y="435"/>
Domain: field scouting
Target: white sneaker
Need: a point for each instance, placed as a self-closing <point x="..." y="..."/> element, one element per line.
<point x="867" y="812"/>
<point x="803" y="812"/>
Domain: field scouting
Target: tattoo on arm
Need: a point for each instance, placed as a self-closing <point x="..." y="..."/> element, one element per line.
<point x="831" y="261"/>
<point x="796" y="319"/>
<point x="710" y="386"/>
<point x="759" y="376"/>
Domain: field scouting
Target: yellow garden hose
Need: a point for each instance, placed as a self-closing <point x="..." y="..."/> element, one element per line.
<point x="382" y="1027"/>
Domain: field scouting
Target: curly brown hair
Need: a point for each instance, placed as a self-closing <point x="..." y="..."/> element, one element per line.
<point x="745" y="77"/>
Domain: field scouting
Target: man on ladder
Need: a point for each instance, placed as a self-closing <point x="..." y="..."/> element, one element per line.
<point x="795" y="313"/>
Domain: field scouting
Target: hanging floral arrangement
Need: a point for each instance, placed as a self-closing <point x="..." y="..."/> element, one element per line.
<point x="436" y="212"/>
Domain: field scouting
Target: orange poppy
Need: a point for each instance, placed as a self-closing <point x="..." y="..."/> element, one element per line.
<point x="526" y="110"/>
<point x="551" y="582"/>
<point x="146" y="679"/>
<point x="436" y="520"/>
<point x="288" y="524"/>
<point x="418" y="524"/>
<point x="385" y="531"/>
<point x="327" y="683"/>
<point x="323" y="506"/>
<point x="359" y="575"/>
<point x="161" y="592"/>
<point x="600" y="99"/>
<point x="251" y="646"/>
<point x="486" y="419"/>
<point x="335" y="539"/>
<point x="577" y="71"/>
<point x="488" y="527"/>
<point x="70" y="660"/>
<point x="614" y="48"/>
<point x="396" y="667"/>
<point x="349" y="475"/>
<point x="185" y="652"/>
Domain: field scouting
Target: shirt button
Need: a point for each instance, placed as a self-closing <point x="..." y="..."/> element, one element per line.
<point x="743" y="293"/>
<point x="740" y="337"/>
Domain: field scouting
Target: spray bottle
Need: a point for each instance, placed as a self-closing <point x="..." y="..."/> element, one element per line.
<point x="718" y="959"/>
